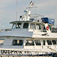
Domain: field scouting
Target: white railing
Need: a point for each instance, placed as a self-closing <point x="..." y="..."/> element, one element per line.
<point x="23" y="52"/>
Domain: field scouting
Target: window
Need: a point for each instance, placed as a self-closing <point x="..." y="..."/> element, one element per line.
<point x="43" y="42"/>
<point x="54" y="42"/>
<point x="49" y="42"/>
<point x="1" y="42"/>
<point x="18" y="25"/>
<point x="44" y="29"/>
<point x="14" y="26"/>
<point x="17" y="42"/>
<point x="32" y="26"/>
<point x="29" y="43"/>
<point x="38" y="26"/>
<point x="37" y="42"/>
<point x="25" y="25"/>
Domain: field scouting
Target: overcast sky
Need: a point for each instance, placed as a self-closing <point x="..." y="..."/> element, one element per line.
<point x="8" y="10"/>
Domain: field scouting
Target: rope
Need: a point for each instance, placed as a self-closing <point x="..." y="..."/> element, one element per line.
<point x="52" y="49"/>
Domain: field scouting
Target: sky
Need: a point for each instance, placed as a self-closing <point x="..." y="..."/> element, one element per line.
<point x="8" y="10"/>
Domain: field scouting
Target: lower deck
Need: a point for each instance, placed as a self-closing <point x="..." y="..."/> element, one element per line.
<point x="28" y="43"/>
<point x="25" y="46"/>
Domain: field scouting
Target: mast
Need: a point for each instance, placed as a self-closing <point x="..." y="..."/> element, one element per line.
<point x="28" y="11"/>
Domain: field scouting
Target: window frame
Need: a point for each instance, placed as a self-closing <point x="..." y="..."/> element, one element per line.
<point x="39" y="25"/>
<point x="54" y="43"/>
<point x="18" y="25"/>
<point x="26" y="44"/>
<point x="38" y="42"/>
<point x="32" y="24"/>
<point x="14" y="26"/>
<point x="50" y="42"/>
<point x="25" y="27"/>
<point x="16" y="42"/>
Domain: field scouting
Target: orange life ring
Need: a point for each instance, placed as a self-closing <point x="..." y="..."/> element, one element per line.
<point x="47" y="27"/>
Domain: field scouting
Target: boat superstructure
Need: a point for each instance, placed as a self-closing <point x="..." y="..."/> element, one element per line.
<point x="29" y="36"/>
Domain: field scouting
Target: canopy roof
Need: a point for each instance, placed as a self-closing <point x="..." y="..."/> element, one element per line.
<point x="14" y="22"/>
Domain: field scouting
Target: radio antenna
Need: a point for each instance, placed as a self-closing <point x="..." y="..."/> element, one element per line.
<point x="16" y="9"/>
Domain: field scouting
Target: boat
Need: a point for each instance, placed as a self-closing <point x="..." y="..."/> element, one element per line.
<point x="31" y="35"/>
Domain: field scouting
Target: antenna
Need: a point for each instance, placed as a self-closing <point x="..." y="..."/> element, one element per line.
<point x="16" y="9"/>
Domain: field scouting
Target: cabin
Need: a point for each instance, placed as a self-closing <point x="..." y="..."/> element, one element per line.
<point x="27" y="29"/>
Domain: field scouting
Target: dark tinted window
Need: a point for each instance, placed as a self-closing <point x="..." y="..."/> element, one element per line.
<point x="49" y="42"/>
<point x="44" y="29"/>
<point x="29" y="43"/>
<point x="54" y="42"/>
<point x="17" y="42"/>
<point x="25" y="25"/>
<point x="37" y="42"/>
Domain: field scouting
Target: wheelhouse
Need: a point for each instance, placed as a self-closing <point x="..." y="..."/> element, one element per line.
<point x="30" y="25"/>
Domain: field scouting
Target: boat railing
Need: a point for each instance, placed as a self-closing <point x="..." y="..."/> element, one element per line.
<point x="25" y="52"/>
<point x="37" y="15"/>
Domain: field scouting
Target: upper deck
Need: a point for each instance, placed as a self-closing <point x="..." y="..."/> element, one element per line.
<point x="28" y="29"/>
<point x="27" y="26"/>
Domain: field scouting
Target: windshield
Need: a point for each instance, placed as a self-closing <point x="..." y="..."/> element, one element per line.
<point x="25" y="25"/>
<point x="18" y="25"/>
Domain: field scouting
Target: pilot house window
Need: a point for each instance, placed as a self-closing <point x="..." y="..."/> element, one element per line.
<point x="38" y="26"/>
<point x="25" y="25"/>
<point x="17" y="42"/>
<point x="32" y="26"/>
<point x="18" y="25"/>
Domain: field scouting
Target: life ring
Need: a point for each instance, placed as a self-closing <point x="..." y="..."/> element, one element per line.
<point x="47" y="27"/>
